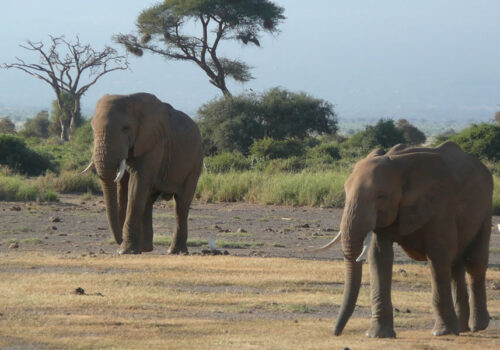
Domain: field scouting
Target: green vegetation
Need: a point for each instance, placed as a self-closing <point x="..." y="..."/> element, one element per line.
<point x="303" y="170"/>
<point x="234" y="124"/>
<point x="15" y="154"/>
<point x="480" y="140"/>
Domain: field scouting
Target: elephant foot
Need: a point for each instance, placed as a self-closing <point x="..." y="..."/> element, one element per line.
<point x="464" y="328"/>
<point x="442" y="329"/>
<point x="128" y="249"/>
<point x="380" y="331"/>
<point x="480" y="322"/>
<point x="178" y="250"/>
<point x="146" y="248"/>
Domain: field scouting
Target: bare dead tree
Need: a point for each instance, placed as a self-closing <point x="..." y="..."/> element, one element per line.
<point x="72" y="71"/>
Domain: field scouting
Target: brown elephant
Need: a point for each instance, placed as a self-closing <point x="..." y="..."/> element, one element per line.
<point x="144" y="148"/>
<point x="436" y="203"/>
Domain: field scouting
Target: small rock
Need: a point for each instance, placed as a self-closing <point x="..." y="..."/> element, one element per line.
<point x="15" y="208"/>
<point x="14" y="245"/>
<point x="396" y="309"/>
<point x="63" y="234"/>
<point x="55" y="219"/>
<point x="305" y="226"/>
<point x="495" y="285"/>
<point x="80" y="291"/>
<point x="101" y="251"/>
<point x="241" y="230"/>
<point x="296" y="321"/>
<point x="226" y="252"/>
<point x="403" y="272"/>
<point x="408" y="311"/>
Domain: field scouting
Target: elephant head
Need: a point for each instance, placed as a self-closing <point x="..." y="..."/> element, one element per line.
<point x="395" y="193"/>
<point x="124" y="127"/>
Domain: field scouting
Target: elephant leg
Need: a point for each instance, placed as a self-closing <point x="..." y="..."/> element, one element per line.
<point x="138" y="196"/>
<point x="476" y="263"/>
<point x="147" y="224"/>
<point x="182" y="203"/>
<point x="380" y="257"/>
<point x="460" y="297"/>
<point x="442" y="301"/>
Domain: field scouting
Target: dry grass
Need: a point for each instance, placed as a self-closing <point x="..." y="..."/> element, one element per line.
<point x="194" y="302"/>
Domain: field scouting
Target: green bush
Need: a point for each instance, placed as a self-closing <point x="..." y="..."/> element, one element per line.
<point x="326" y="151"/>
<point x="383" y="134"/>
<point x="227" y="161"/>
<point x="232" y="124"/>
<point x="268" y="148"/>
<point x="18" y="156"/>
<point x="73" y="155"/>
<point x="481" y="140"/>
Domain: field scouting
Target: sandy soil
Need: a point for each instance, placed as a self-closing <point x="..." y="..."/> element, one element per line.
<point x="77" y="225"/>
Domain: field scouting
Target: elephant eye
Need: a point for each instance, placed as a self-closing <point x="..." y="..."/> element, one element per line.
<point x="381" y="196"/>
<point x="126" y="128"/>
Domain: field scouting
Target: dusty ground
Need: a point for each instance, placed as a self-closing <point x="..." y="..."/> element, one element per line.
<point x="77" y="225"/>
<point x="222" y="302"/>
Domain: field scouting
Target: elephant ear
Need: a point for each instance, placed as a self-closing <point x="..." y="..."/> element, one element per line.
<point x="150" y="113"/>
<point x="428" y="185"/>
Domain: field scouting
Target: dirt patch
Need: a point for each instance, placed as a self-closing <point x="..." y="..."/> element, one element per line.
<point x="77" y="226"/>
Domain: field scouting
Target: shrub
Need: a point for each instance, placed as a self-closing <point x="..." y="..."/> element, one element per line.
<point x="411" y="134"/>
<point x="480" y="140"/>
<point x="232" y="124"/>
<point x="383" y="134"/>
<point x="327" y="151"/>
<point x="227" y="161"/>
<point x="7" y="126"/>
<point x="18" y="156"/>
<point x="37" y="126"/>
<point x="268" y="148"/>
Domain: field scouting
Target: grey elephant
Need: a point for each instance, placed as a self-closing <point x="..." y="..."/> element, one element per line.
<point x="144" y="148"/>
<point x="436" y="203"/>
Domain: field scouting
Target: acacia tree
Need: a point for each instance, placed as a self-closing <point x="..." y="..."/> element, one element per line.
<point x="65" y="72"/>
<point x="161" y="30"/>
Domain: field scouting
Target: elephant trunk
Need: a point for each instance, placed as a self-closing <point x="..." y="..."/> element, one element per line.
<point x="107" y="168"/>
<point x="356" y="223"/>
<point x="353" y="274"/>
<point x="111" y="201"/>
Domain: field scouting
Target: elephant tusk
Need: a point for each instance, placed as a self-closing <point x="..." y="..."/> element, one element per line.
<point x="88" y="168"/>
<point x="330" y="244"/>
<point x="368" y="239"/>
<point x="121" y="171"/>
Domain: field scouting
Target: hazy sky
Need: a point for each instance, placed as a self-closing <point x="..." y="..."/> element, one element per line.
<point x="391" y="58"/>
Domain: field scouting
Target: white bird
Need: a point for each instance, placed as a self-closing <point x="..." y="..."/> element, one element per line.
<point x="211" y="243"/>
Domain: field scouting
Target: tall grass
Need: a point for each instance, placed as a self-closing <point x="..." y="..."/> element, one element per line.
<point x="304" y="189"/>
<point x="496" y="195"/>
<point x="322" y="188"/>
<point x="18" y="188"/>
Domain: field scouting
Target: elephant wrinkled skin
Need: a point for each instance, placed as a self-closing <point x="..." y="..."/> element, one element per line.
<point x="436" y="203"/>
<point x="156" y="150"/>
